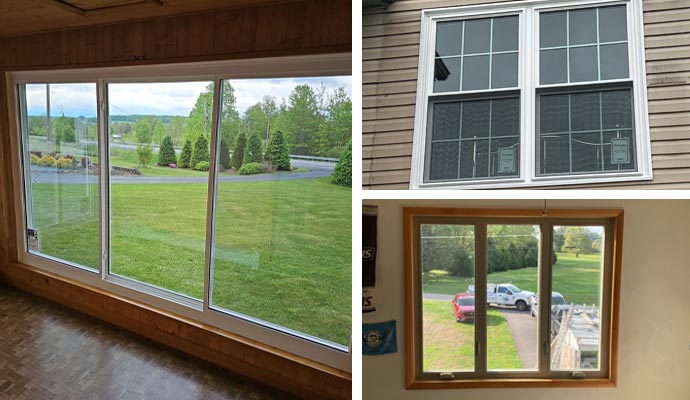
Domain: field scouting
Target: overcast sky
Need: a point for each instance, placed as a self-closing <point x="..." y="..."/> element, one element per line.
<point x="163" y="98"/>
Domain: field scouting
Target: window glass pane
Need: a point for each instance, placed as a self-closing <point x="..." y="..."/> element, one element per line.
<point x="447" y="74"/>
<point x="555" y="154"/>
<point x="614" y="61"/>
<point x="612" y="24"/>
<point x="505" y="157"/>
<point x="552" y="29"/>
<point x="577" y="277"/>
<point x="554" y="113"/>
<point x="505" y="34"/>
<point x="586" y="152"/>
<point x="475" y="73"/>
<point x="447" y="304"/>
<point x="60" y="139"/>
<point x="446" y="123"/>
<point x="619" y="150"/>
<point x="512" y="331"/>
<point x="583" y="64"/>
<point x="585" y="111"/>
<point x="157" y="202"/>
<point x="477" y="36"/>
<point x="475" y="119"/>
<point x="505" y="117"/>
<point x="583" y="26"/>
<point x="449" y="38"/>
<point x="282" y="245"/>
<point x="616" y="109"/>
<point x="553" y="66"/>
<point x="474" y="159"/>
<point x="504" y="72"/>
<point x="444" y="161"/>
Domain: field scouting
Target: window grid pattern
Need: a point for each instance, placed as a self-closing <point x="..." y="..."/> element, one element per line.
<point x="475" y="67"/>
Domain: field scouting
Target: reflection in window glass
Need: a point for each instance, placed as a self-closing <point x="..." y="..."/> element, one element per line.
<point x="511" y="332"/>
<point x="282" y="241"/>
<point x="448" y="297"/>
<point x="158" y="189"/>
<point x="60" y="140"/>
<point x="577" y="278"/>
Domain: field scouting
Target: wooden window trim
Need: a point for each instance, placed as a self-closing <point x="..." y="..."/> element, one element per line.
<point x="614" y="216"/>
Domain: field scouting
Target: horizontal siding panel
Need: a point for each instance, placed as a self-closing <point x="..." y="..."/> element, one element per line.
<point x="395" y="186"/>
<point x="670" y="119"/>
<point x="407" y="5"/>
<point x="667" y="28"/>
<point x="390" y="88"/>
<point x="388" y="113"/>
<point x="390" y="64"/>
<point x="670" y="133"/>
<point x="682" y="14"/>
<point x="389" y="30"/>
<point x="667" y="53"/>
<point x="387" y="125"/>
<point x="671" y="161"/>
<point x="671" y="147"/>
<point x="666" y="106"/>
<point x="657" y="5"/>
<point x="382" y="138"/>
<point x="386" y="177"/>
<point x="667" y="41"/>
<point x="665" y="67"/>
<point x="390" y="52"/>
<point x="389" y="100"/>
<point x="390" y="41"/>
<point x="669" y="92"/>
<point x="386" y="164"/>
<point x="672" y="79"/>
<point x="390" y="18"/>
<point x="391" y="76"/>
<point x="387" y="150"/>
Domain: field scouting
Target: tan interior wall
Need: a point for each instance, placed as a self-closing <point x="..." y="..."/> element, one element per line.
<point x="654" y="344"/>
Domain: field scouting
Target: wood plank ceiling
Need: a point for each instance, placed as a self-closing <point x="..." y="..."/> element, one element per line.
<point x="21" y="17"/>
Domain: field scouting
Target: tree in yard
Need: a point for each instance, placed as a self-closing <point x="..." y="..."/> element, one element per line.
<point x="577" y="240"/>
<point x="199" y="122"/>
<point x="186" y="155"/>
<point x="145" y="154"/>
<point x="448" y="248"/>
<point x="254" y="152"/>
<point x="303" y="120"/>
<point x="166" y="155"/>
<point x="176" y="128"/>
<point x="278" y="152"/>
<point x="200" y="151"/>
<point x="336" y="128"/>
<point x="224" y="154"/>
<point x="342" y="175"/>
<point x="142" y="131"/>
<point x="238" y="151"/>
<point x="159" y="131"/>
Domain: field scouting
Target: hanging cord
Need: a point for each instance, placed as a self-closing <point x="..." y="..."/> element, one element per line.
<point x="545" y="212"/>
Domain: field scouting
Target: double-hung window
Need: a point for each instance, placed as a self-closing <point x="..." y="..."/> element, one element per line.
<point x="531" y="93"/>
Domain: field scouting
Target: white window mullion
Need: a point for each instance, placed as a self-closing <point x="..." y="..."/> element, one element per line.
<point x="103" y="176"/>
<point x="529" y="64"/>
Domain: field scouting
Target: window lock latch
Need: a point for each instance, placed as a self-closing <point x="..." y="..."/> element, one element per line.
<point x="578" y="375"/>
<point x="446" y="376"/>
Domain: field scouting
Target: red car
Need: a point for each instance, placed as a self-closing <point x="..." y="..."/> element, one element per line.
<point x="463" y="307"/>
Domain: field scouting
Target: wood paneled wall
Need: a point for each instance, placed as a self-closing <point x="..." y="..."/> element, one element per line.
<point x="298" y="27"/>
<point x="271" y="366"/>
<point x="390" y="58"/>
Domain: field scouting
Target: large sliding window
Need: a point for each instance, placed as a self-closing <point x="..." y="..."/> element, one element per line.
<point x="511" y="297"/>
<point x="531" y="93"/>
<point x="205" y="196"/>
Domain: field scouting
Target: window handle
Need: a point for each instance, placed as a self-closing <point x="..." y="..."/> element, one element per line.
<point x="477" y="348"/>
<point x="578" y="375"/>
<point x="446" y="376"/>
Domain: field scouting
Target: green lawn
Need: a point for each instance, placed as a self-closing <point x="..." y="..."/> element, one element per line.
<point x="283" y="248"/>
<point x="578" y="279"/>
<point x="449" y="345"/>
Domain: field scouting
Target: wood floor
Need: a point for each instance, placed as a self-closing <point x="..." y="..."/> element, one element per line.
<point x="51" y="352"/>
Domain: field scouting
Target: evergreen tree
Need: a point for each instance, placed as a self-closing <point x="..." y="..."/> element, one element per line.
<point x="224" y="154"/>
<point x="166" y="155"/>
<point x="253" y="153"/>
<point x="277" y="152"/>
<point x="342" y="175"/>
<point x="200" y="151"/>
<point x="186" y="154"/>
<point x="238" y="151"/>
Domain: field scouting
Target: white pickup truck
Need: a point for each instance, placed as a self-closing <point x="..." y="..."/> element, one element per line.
<point x="506" y="294"/>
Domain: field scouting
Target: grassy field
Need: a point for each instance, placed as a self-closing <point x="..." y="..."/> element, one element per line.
<point x="282" y="254"/>
<point x="578" y="279"/>
<point x="449" y="345"/>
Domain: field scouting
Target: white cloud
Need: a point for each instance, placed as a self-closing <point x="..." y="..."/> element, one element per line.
<point x="165" y="98"/>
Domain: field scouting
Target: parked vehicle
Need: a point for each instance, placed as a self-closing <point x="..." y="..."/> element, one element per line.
<point x="558" y="304"/>
<point x="506" y="294"/>
<point x="463" y="307"/>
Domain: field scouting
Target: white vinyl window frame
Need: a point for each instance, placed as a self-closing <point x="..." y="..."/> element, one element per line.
<point x="264" y="332"/>
<point x="528" y="86"/>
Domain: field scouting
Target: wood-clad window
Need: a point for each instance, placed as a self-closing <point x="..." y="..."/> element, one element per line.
<point x="531" y="93"/>
<point x="511" y="297"/>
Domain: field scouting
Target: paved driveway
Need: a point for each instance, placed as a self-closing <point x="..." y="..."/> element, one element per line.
<point x="523" y="328"/>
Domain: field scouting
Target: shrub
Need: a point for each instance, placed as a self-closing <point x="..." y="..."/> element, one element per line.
<point x="278" y="152"/>
<point x="224" y="154"/>
<point x="64" y="162"/>
<point x="201" y="166"/>
<point x="342" y="175"/>
<point x="37" y="153"/>
<point x="251" y="169"/>
<point x="200" y="152"/>
<point x="145" y="154"/>
<point x="47" y="161"/>
<point x="253" y="153"/>
<point x="186" y="154"/>
<point x="167" y="156"/>
<point x="238" y="151"/>
<point x="35" y="159"/>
